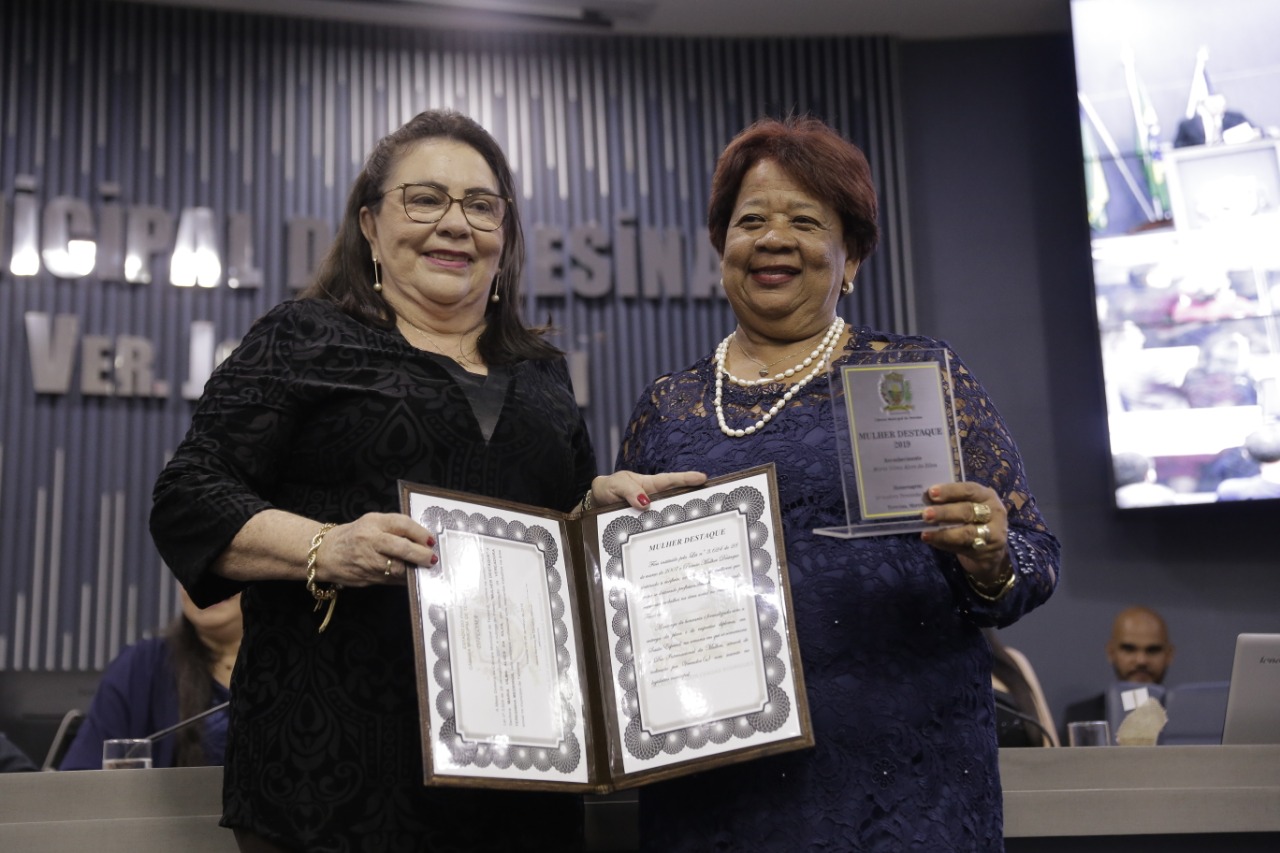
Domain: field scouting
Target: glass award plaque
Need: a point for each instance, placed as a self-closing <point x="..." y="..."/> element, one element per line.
<point x="895" y="430"/>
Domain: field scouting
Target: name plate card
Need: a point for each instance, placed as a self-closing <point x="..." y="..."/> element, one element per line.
<point x="895" y="436"/>
<point x="607" y="651"/>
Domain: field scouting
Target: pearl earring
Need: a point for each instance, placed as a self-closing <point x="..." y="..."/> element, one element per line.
<point x="846" y="288"/>
<point x="377" y="276"/>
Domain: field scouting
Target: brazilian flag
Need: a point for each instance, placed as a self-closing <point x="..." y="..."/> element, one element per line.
<point x="1097" y="193"/>
<point x="1147" y="140"/>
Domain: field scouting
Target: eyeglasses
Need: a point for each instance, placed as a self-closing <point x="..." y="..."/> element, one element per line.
<point x="423" y="203"/>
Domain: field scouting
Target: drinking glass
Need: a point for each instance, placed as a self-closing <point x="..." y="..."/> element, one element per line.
<point x="1089" y="733"/>
<point x="126" y="754"/>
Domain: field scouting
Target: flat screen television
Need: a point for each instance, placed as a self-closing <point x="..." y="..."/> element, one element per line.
<point x="1180" y="129"/>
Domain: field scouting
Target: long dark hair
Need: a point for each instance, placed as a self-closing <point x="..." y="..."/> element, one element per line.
<point x="190" y="659"/>
<point x="346" y="273"/>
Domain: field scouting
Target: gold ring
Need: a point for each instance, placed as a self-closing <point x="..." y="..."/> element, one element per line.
<point x="981" y="513"/>
<point x="388" y="571"/>
<point x="978" y="543"/>
<point x="982" y="532"/>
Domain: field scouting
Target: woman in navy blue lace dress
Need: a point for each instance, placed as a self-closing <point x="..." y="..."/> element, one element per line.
<point x="897" y="672"/>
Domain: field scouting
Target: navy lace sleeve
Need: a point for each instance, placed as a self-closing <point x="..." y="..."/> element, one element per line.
<point x="991" y="457"/>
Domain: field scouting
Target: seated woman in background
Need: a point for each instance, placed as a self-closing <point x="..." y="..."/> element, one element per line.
<point x="1022" y="713"/>
<point x="160" y="680"/>
<point x="13" y="759"/>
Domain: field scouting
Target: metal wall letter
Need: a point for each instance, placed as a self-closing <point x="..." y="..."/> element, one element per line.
<point x="150" y="231"/>
<point x="307" y="239"/>
<point x="195" y="252"/>
<point x="67" y="244"/>
<point x="51" y="349"/>
<point x="241" y="272"/>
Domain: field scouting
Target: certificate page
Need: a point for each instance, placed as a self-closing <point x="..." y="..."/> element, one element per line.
<point x="694" y="631"/>
<point x="503" y="690"/>
<point x="698" y="627"/>
<point x="501" y="642"/>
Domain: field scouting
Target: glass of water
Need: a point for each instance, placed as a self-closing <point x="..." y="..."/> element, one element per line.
<point x="1089" y="733"/>
<point x="126" y="754"/>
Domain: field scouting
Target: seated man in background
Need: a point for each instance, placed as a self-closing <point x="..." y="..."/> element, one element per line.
<point x="13" y="759"/>
<point x="1139" y="651"/>
<point x="1213" y="123"/>
<point x="1263" y="447"/>
<point x="1136" y="482"/>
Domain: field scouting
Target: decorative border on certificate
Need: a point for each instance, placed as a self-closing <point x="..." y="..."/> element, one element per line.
<point x="506" y="635"/>
<point x="525" y="642"/>
<point x="698" y="662"/>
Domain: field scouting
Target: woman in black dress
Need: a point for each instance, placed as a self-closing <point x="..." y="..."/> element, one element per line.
<point x="406" y="359"/>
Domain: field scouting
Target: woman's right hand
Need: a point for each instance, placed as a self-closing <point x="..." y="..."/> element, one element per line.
<point x="635" y="488"/>
<point x="374" y="549"/>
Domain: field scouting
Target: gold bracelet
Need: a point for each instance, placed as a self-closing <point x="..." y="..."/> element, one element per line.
<point x="587" y="502"/>
<point x="1003" y="586"/>
<point x="321" y="593"/>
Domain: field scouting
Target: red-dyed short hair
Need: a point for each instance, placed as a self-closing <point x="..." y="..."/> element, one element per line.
<point x="828" y="166"/>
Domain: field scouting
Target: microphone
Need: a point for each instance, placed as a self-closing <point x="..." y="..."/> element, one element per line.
<point x="182" y="724"/>
<point x="1007" y="708"/>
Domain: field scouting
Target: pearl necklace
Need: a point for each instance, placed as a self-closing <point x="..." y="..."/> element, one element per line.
<point x="818" y="359"/>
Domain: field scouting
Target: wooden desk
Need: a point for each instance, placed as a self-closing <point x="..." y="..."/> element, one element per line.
<point x="1193" y="798"/>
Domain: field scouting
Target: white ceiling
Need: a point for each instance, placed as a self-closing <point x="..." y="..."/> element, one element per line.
<point x="908" y="19"/>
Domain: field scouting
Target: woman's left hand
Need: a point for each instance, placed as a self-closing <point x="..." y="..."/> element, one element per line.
<point x="980" y="537"/>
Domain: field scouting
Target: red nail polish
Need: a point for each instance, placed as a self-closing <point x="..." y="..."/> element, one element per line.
<point x="431" y="542"/>
<point x="434" y="559"/>
<point x="643" y="500"/>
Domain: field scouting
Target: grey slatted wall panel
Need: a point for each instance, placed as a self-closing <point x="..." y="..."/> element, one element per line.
<point x="271" y="117"/>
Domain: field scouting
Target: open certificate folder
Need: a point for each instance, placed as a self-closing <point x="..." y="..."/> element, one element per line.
<point x="607" y="651"/>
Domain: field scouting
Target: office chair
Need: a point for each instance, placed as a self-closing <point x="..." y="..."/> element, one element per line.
<point x="65" y="734"/>
<point x="1197" y="712"/>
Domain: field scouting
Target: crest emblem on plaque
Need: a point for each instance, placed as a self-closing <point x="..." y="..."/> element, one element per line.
<point x="895" y="392"/>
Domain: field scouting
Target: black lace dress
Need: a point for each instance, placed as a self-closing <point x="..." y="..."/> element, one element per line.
<point x="897" y="671"/>
<point x="320" y="415"/>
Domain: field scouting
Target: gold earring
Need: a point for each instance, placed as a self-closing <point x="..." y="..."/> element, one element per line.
<point x="377" y="276"/>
